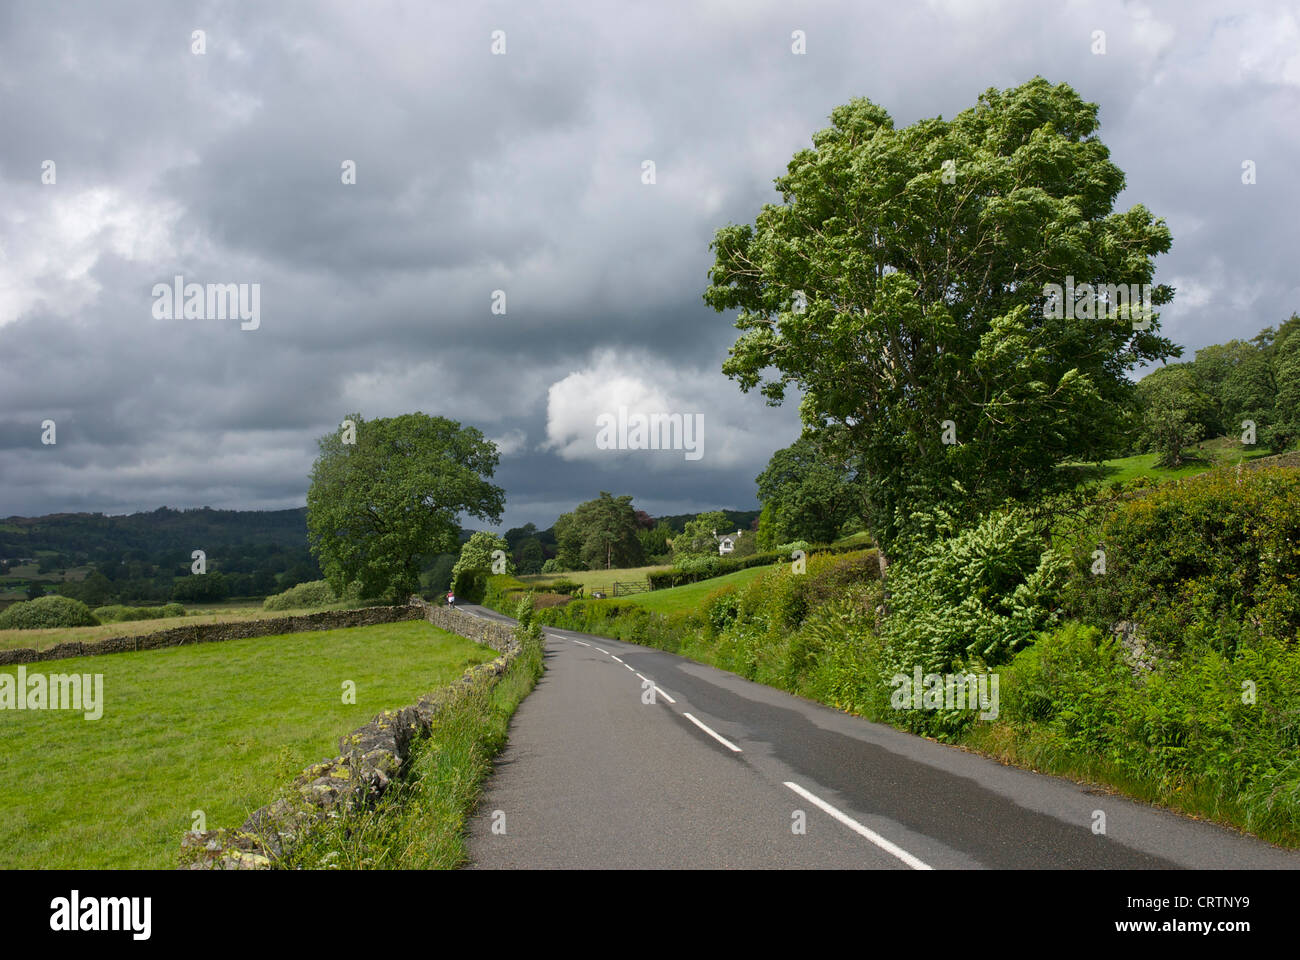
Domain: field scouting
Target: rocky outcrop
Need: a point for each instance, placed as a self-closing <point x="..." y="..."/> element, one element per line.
<point x="370" y="758"/>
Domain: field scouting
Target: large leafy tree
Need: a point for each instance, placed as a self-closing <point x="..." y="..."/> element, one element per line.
<point x="529" y="556"/>
<point x="377" y="507"/>
<point x="1174" y="412"/>
<point x="483" y="554"/>
<point x="900" y="283"/>
<point x="600" y="533"/>
<point x="1284" y="429"/>
<point x="1236" y="379"/>
<point x="698" y="539"/>
<point x="810" y="494"/>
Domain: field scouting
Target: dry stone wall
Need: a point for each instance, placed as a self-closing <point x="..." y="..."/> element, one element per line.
<point x="213" y="632"/>
<point x="370" y="757"/>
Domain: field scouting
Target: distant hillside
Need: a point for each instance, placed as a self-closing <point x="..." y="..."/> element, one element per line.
<point x="94" y="537"/>
<point x="146" y="557"/>
<point x="736" y="519"/>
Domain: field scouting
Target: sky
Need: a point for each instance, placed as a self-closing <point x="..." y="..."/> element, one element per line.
<point x="500" y="258"/>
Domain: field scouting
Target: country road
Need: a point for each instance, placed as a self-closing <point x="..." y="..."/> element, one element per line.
<point x="718" y="772"/>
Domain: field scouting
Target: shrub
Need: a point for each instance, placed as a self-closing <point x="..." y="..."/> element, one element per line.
<point x="1186" y="727"/>
<point x="720" y="608"/>
<point x="501" y="592"/>
<point x="552" y="566"/>
<point x="695" y="564"/>
<point x="567" y="587"/>
<point x="719" y="566"/>
<point x="1208" y="550"/>
<point x="966" y="599"/>
<point x="314" y="593"/>
<point x="45" y="612"/>
<point x="117" y="613"/>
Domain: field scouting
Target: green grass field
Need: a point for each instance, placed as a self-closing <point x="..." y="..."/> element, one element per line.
<point x="689" y="596"/>
<point x="217" y="727"/>
<point x="1205" y="456"/>
<point x="222" y="613"/>
<point x="595" y="579"/>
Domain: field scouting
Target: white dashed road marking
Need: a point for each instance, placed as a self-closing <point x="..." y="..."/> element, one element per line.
<point x="858" y="828"/>
<point x="721" y="739"/>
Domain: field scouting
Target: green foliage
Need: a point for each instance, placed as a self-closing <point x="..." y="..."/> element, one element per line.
<point x="529" y="556"/>
<point x="46" y="612"/>
<point x="599" y="534"/>
<point x="1195" y="555"/>
<point x="378" y="506"/>
<point x="696" y="569"/>
<point x="1284" y="425"/>
<point x="1188" y="729"/>
<point x="893" y="298"/>
<point x="476" y="563"/>
<point x="654" y="540"/>
<point x="968" y="599"/>
<point x="568" y="587"/>
<point x="201" y="588"/>
<point x="698" y="540"/>
<point x="316" y="593"/>
<point x="501" y="592"/>
<point x="1236" y="377"/>
<point x="437" y="579"/>
<point x="807" y="494"/>
<point x="1174" y="412"/>
<point x="117" y="613"/>
<point x="553" y="565"/>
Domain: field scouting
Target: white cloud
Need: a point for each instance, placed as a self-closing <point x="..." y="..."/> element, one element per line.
<point x="511" y="442"/>
<point x="644" y="384"/>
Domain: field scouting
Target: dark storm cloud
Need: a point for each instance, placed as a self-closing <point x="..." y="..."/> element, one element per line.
<point x="519" y="173"/>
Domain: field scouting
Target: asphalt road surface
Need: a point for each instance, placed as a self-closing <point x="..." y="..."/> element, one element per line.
<point x="628" y="757"/>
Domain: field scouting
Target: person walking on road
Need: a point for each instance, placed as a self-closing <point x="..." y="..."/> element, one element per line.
<point x="451" y="599"/>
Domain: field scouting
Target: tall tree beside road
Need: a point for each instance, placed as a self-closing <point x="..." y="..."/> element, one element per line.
<point x="900" y="286"/>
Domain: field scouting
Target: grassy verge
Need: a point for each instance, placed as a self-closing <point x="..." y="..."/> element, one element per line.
<point x="419" y="824"/>
<point x="215" y="727"/>
<point x="778" y="631"/>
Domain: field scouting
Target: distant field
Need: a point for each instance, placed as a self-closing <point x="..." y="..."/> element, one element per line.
<point x="689" y="596"/>
<point x="41" y="639"/>
<point x="595" y="579"/>
<point x="1209" y="455"/>
<point x="215" y="727"/>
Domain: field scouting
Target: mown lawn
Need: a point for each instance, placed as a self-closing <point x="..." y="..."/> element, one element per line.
<point x="217" y="727"/>
<point x="41" y="639"/>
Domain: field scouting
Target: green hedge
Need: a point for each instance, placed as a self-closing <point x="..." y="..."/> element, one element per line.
<point x="1206" y="558"/>
<point x="706" y="568"/>
<point x="314" y="593"/>
<point x="117" y="613"/>
<point x="46" y="612"/>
